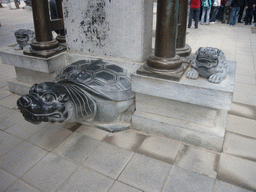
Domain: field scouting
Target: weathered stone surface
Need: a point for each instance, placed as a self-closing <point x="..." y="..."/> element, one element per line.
<point x="102" y="28"/>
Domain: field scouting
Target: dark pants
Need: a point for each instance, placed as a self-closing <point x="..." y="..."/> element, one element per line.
<point x="226" y="16"/>
<point x="248" y="15"/>
<point x="220" y="13"/>
<point x="193" y="14"/>
<point x="214" y="13"/>
<point x="240" y="14"/>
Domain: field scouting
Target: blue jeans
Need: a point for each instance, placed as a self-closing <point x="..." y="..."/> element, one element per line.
<point x="214" y="13"/>
<point x="233" y="15"/>
<point x="193" y="14"/>
<point x="207" y="12"/>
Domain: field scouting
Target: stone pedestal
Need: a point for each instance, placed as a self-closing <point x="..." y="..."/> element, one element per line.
<point x="30" y="69"/>
<point x="192" y="111"/>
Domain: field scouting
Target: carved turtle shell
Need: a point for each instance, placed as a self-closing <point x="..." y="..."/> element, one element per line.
<point x="99" y="78"/>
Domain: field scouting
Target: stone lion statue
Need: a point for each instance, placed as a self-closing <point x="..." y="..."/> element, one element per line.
<point x="210" y="63"/>
<point x="24" y="38"/>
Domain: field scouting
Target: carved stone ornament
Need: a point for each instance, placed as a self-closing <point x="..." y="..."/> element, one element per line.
<point x="85" y="91"/>
<point x="210" y="63"/>
<point x="24" y="38"/>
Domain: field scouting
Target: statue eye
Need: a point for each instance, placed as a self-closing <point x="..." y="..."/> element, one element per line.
<point x="49" y="97"/>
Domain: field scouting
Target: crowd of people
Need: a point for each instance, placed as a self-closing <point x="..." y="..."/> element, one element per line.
<point x="226" y="11"/>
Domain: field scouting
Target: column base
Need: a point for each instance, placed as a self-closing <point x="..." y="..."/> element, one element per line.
<point x="45" y="53"/>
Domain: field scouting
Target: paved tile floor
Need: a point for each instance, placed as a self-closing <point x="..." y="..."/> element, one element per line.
<point x="71" y="157"/>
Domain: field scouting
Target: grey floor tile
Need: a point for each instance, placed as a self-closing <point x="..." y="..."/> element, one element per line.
<point x="77" y="147"/>
<point x="48" y="174"/>
<point x="160" y="148"/>
<point x="6" y="180"/>
<point x="4" y="93"/>
<point x="10" y="101"/>
<point x="198" y="160"/>
<point x="145" y="173"/>
<point x="20" y="186"/>
<point x="245" y="79"/>
<point x="7" y="142"/>
<point x="118" y="186"/>
<point x="19" y="160"/>
<point x="92" y="132"/>
<point x="108" y="160"/>
<point x="241" y="125"/>
<point x="129" y="140"/>
<point x="85" y="180"/>
<point x="9" y="118"/>
<point x="50" y="136"/>
<point x="241" y="146"/>
<point x="237" y="171"/>
<point x="221" y="186"/>
<point x="24" y="129"/>
<point x="3" y="109"/>
<point x="187" y="181"/>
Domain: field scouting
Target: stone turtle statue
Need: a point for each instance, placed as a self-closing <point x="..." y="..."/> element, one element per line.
<point x="93" y="92"/>
<point x="210" y="63"/>
<point x="24" y="38"/>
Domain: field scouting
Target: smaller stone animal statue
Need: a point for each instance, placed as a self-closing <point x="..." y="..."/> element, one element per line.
<point x="24" y="38"/>
<point x="92" y="92"/>
<point x="209" y="63"/>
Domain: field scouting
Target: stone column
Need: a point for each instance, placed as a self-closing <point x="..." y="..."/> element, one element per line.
<point x="165" y="63"/>
<point x="61" y="36"/>
<point x="43" y="45"/>
<point x="182" y="49"/>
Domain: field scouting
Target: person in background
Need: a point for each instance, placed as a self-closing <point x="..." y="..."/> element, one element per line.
<point x="206" y="6"/>
<point x="249" y="5"/>
<point x="215" y="8"/>
<point x="194" y="12"/>
<point x="241" y="12"/>
<point x="221" y="10"/>
<point x="227" y="11"/>
<point x="236" y="4"/>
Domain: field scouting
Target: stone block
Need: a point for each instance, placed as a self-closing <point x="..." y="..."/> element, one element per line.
<point x="253" y="29"/>
<point x="19" y="87"/>
<point x="46" y="65"/>
<point x="199" y="92"/>
<point x="120" y="29"/>
<point x="149" y="122"/>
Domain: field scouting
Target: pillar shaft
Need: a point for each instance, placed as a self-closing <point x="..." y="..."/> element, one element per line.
<point x="182" y="20"/>
<point x="167" y="15"/>
<point x="41" y="20"/>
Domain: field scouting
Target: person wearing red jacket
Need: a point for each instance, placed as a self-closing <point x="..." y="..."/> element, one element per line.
<point x="194" y="12"/>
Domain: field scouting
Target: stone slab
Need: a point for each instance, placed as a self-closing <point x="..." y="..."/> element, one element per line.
<point x="53" y="170"/>
<point x="198" y="160"/>
<point x="6" y="180"/>
<point x="185" y="180"/>
<point x="47" y="65"/>
<point x="149" y="122"/>
<point x="145" y="173"/>
<point x="117" y="29"/>
<point x="198" y="92"/>
<point x="189" y="116"/>
<point x="108" y="160"/>
<point x="160" y="148"/>
<point x="21" y="186"/>
<point x="18" y="87"/>
<point x="7" y="142"/>
<point x="85" y="179"/>
<point x="118" y="186"/>
<point x="19" y="160"/>
<point x="240" y="146"/>
<point x="221" y="186"/>
<point x="237" y="171"/>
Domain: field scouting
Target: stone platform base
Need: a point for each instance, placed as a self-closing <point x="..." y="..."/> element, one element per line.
<point x="30" y="69"/>
<point x="191" y="111"/>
